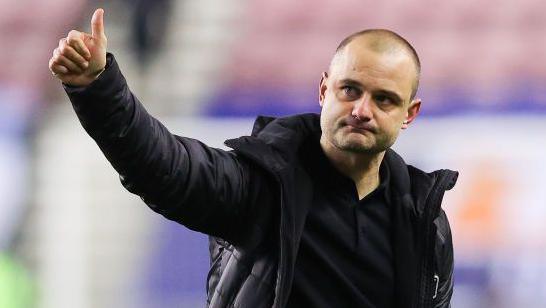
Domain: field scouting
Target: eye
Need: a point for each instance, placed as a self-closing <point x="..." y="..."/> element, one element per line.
<point x="383" y="99"/>
<point x="350" y="92"/>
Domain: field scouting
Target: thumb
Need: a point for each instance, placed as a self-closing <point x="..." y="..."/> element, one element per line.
<point x="97" y="24"/>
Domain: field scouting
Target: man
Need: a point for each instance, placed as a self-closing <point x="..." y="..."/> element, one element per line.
<point x="305" y="212"/>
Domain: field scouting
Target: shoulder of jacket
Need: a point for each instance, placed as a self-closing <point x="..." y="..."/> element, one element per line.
<point x="411" y="182"/>
<point x="274" y="142"/>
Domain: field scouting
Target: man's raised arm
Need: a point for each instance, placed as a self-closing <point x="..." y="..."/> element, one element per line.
<point x="204" y="188"/>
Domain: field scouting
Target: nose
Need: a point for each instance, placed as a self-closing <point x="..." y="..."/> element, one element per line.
<point x="362" y="109"/>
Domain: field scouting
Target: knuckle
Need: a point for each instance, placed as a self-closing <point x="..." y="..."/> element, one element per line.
<point x="74" y="43"/>
<point x="59" y="69"/>
<point x="73" y="34"/>
<point x="65" y="50"/>
<point x="71" y="41"/>
<point x="65" y="62"/>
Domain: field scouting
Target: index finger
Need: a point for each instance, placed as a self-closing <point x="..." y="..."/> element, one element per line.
<point x="75" y="40"/>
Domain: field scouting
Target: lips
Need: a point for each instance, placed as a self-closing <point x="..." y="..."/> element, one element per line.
<point x="359" y="125"/>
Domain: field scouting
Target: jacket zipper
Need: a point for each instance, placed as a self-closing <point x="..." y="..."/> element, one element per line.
<point x="429" y="281"/>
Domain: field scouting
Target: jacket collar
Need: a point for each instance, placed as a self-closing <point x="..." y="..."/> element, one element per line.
<point x="275" y="144"/>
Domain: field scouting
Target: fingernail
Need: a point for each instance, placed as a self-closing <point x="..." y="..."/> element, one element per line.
<point x="63" y="70"/>
<point x="85" y="64"/>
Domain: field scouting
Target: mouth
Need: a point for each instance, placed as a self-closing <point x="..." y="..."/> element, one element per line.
<point x="359" y="126"/>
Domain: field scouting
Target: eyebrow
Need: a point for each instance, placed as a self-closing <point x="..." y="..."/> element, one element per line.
<point x="392" y="94"/>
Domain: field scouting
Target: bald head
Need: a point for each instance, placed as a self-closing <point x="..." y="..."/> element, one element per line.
<point x="383" y="41"/>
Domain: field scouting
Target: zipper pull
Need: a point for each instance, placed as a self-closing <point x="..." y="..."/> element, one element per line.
<point x="436" y="280"/>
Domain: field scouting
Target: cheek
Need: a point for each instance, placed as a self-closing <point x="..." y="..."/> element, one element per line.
<point x="335" y="109"/>
<point x="327" y="112"/>
<point x="395" y="119"/>
<point x="394" y="130"/>
<point x="390" y="125"/>
<point x="329" y="117"/>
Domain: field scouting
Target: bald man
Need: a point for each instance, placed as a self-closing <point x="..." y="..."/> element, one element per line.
<point x="310" y="210"/>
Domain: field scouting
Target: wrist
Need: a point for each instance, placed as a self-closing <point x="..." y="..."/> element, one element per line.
<point x="96" y="75"/>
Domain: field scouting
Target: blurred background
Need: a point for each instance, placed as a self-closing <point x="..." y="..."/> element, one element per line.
<point x="70" y="236"/>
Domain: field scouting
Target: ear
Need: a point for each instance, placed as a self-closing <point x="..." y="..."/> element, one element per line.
<point x="322" y="88"/>
<point x="413" y="111"/>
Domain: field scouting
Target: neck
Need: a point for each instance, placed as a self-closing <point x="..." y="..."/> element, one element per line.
<point x="362" y="168"/>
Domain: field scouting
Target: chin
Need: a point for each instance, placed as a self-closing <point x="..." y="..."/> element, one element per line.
<point x="361" y="145"/>
<point x="356" y="146"/>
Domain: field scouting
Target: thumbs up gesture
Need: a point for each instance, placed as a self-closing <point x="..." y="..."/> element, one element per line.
<point x="81" y="57"/>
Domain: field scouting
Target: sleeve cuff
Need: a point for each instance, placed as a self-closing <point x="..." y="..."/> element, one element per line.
<point x="106" y="77"/>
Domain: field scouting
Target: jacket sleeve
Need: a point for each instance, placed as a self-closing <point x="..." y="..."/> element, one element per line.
<point x="444" y="264"/>
<point x="206" y="189"/>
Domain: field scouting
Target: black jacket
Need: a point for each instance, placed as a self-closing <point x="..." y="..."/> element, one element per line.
<point x="253" y="246"/>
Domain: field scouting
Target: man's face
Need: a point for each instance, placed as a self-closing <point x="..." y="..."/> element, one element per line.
<point x="366" y="99"/>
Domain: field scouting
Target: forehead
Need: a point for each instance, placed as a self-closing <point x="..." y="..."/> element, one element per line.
<point x="391" y="70"/>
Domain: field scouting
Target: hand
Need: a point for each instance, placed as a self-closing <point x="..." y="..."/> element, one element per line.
<point x="81" y="57"/>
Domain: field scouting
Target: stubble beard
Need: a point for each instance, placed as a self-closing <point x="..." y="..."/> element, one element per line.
<point x="361" y="145"/>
